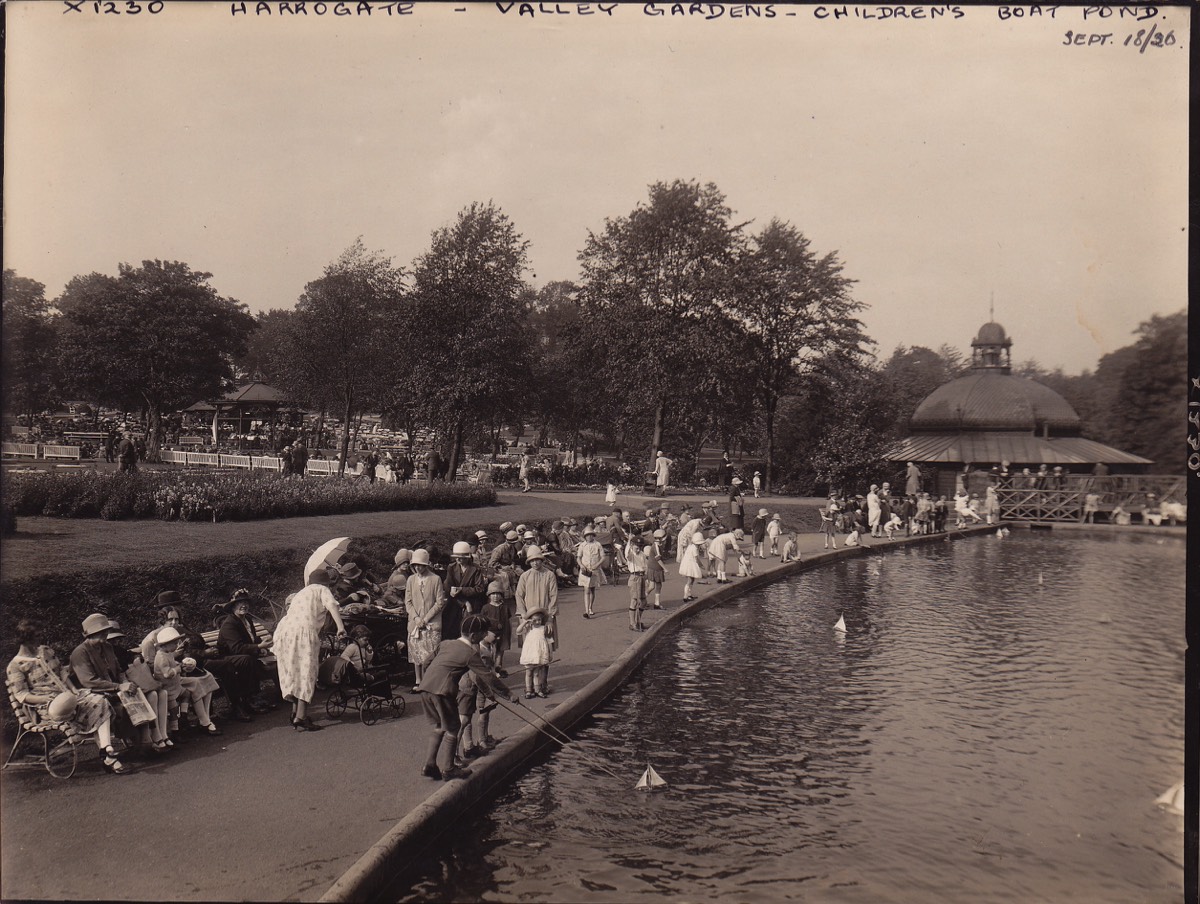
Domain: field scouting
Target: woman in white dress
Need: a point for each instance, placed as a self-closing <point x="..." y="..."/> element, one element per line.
<point x="691" y="568"/>
<point x="298" y="645"/>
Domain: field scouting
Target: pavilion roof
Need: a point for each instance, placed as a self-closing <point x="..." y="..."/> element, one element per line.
<point x="1015" y="448"/>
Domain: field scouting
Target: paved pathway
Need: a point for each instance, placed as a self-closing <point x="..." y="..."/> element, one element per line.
<point x="262" y="813"/>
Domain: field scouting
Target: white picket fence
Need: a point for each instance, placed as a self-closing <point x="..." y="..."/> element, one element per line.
<point x="30" y="449"/>
<point x="38" y="450"/>
<point x="71" y="452"/>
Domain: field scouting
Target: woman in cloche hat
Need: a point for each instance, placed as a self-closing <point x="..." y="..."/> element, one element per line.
<point x="36" y="680"/>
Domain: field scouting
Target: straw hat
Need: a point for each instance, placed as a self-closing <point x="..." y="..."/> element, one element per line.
<point x="532" y="612"/>
<point x="762" y="513"/>
<point x="512" y="535"/>
<point x="589" y="531"/>
<point x="62" y="707"/>
<point x="166" y="635"/>
<point x="96" y="623"/>
<point x="420" y="557"/>
<point x="494" y="587"/>
<point x="461" y="548"/>
<point x="534" y="552"/>
<point x="402" y="556"/>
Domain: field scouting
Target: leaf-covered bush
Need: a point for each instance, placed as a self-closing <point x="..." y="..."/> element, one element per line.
<point x="190" y="496"/>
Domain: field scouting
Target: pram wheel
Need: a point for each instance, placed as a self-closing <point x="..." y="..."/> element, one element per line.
<point x="369" y="710"/>
<point x="335" y="703"/>
<point x="397" y="704"/>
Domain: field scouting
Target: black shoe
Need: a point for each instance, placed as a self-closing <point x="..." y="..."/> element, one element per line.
<point x="501" y="673"/>
<point x="431" y="772"/>
<point x="473" y="753"/>
<point x="455" y="772"/>
<point x="305" y="725"/>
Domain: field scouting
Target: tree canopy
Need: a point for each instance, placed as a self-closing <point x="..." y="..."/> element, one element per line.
<point x="158" y="336"/>
<point x="29" y="370"/>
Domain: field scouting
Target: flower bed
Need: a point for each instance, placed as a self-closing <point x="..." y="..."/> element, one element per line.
<point x="174" y="496"/>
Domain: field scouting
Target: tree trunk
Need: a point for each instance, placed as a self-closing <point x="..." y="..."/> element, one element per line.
<point x="345" y="443"/>
<point x="153" y="428"/>
<point x="320" y="429"/>
<point x="772" y="402"/>
<point x="456" y="440"/>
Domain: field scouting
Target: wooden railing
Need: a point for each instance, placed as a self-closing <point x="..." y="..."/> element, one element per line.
<point x="1063" y="500"/>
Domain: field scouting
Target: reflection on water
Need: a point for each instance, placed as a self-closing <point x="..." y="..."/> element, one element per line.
<point x="975" y="735"/>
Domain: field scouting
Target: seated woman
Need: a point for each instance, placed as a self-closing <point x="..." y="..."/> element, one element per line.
<point x="35" y="678"/>
<point x="241" y="642"/>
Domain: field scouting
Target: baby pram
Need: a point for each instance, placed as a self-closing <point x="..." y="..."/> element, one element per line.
<point x="358" y="682"/>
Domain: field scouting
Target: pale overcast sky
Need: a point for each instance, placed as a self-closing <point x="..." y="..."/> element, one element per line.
<point x="944" y="160"/>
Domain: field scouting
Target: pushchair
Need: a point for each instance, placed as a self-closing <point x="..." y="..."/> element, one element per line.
<point x="359" y="683"/>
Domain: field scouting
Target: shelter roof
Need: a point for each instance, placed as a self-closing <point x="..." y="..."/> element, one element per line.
<point x="1019" y="449"/>
<point x="247" y="395"/>
<point x="988" y="400"/>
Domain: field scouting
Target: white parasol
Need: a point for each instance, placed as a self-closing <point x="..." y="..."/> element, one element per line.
<point x="326" y="554"/>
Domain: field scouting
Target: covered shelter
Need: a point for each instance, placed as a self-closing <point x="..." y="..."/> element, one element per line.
<point x="255" y="401"/>
<point x="991" y="416"/>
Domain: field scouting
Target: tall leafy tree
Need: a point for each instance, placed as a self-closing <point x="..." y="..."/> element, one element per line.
<point x="266" y="356"/>
<point x="341" y="335"/>
<point x="158" y="334"/>
<point x="653" y="282"/>
<point x="798" y="307"/>
<point x="29" y="368"/>
<point x="912" y="374"/>
<point x="1146" y="413"/>
<point x="467" y="334"/>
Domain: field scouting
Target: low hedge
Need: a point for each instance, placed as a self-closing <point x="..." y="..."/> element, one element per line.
<point x="190" y="496"/>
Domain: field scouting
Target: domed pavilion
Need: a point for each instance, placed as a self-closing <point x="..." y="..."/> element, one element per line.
<point x="991" y="416"/>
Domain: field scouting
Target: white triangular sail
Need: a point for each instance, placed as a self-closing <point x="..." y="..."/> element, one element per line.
<point x="841" y="624"/>
<point x="650" y="780"/>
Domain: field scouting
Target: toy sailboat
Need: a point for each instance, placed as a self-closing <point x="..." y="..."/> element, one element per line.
<point x="650" y="780"/>
<point x="840" y="627"/>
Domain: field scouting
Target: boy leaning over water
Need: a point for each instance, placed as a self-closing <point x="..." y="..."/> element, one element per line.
<point x="439" y="695"/>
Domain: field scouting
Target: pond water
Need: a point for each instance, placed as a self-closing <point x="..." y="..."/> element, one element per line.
<point x="994" y="725"/>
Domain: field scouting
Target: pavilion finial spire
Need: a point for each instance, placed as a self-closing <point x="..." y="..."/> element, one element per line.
<point x="992" y="307"/>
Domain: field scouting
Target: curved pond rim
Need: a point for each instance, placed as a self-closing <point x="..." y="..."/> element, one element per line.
<point x="419" y="829"/>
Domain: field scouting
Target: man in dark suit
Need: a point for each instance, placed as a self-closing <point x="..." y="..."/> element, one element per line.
<point x="439" y="695"/>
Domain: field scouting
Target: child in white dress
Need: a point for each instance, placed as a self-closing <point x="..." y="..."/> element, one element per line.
<point x="774" y="532"/>
<point x="691" y="569"/>
<point x="535" y="654"/>
<point x="893" y="524"/>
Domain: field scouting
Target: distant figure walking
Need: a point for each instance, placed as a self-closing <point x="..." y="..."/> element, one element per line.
<point x="912" y="480"/>
<point x="662" y="474"/>
<point x="127" y="456"/>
